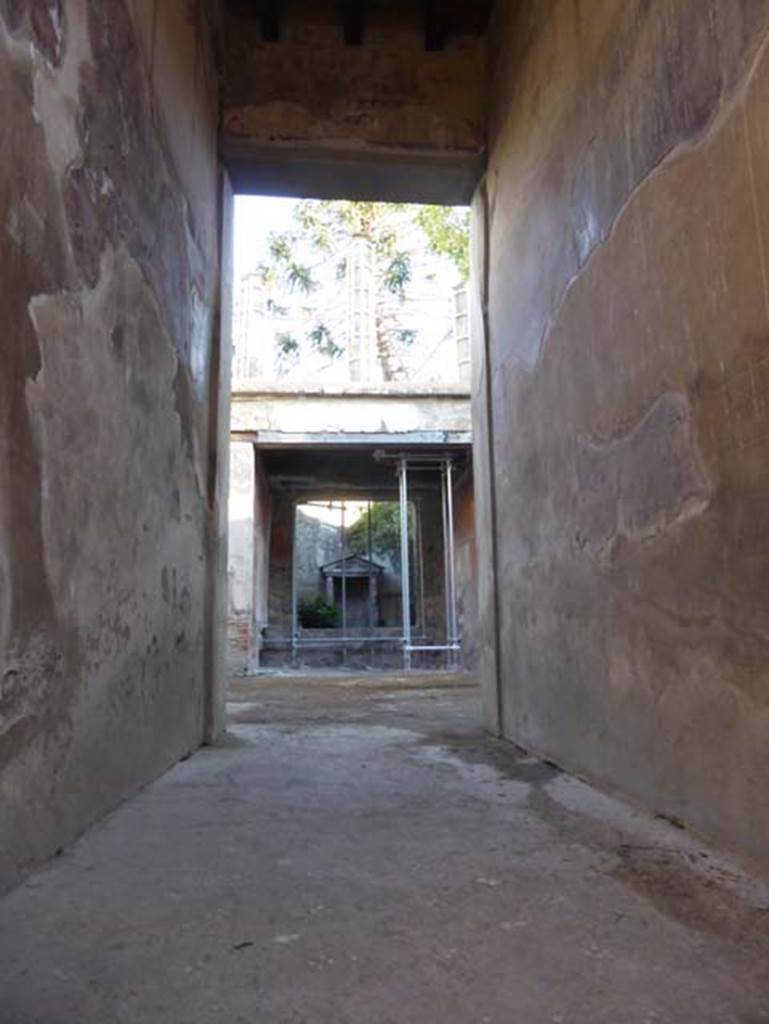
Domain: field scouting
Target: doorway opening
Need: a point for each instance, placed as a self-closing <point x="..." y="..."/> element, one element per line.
<point x="351" y="543"/>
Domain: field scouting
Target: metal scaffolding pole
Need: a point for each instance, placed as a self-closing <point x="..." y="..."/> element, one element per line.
<point x="344" y="585"/>
<point x="452" y="581"/>
<point x="403" y="493"/>
<point x="446" y="573"/>
<point x="294" y="593"/>
<point x="370" y="594"/>
<point x="443" y="464"/>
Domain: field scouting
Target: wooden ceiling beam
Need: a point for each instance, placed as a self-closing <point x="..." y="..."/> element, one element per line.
<point x="354" y="14"/>
<point x="269" y="20"/>
<point x="436" y="25"/>
<point x="436" y="20"/>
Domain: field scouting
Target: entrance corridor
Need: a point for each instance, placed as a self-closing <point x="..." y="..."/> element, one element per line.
<point x="358" y="851"/>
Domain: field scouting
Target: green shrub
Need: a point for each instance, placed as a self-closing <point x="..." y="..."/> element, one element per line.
<point x="317" y="613"/>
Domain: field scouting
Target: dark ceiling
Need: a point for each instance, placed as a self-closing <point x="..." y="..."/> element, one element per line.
<point x="437" y="20"/>
<point x="351" y="472"/>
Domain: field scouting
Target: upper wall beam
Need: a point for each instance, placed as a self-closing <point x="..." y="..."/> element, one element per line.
<point x="347" y="103"/>
<point x="436" y="19"/>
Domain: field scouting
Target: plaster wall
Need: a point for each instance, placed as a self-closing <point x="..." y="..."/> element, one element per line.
<point x="240" y="554"/>
<point x="466" y="570"/>
<point x="261" y="572"/>
<point x="317" y="542"/>
<point x="109" y="283"/>
<point x="279" y="610"/>
<point x="241" y="519"/>
<point x="248" y="557"/>
<point x="622" y="403"/>
<point x="433" y="593"/>
<point x="338" y="412"/>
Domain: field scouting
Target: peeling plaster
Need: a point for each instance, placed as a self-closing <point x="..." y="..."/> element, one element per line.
<point x="627" y="383"/>
<point x="108" y="288"/>
<point x="644" y="125"/>
<point x="643" y="482"/>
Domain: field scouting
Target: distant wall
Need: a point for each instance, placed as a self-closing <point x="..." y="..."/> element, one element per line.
<point x="431" y="580"/>
<point x="317" y="542"/>
<point x="240" y="555"/>
<point x="466" y="563"/>
<point x="261" y="572"/>
<point x="624" y="452"/>
<point x="281" y="557"/>
<point x="275" y="411"/>
<point x="248" y="563"/>
<point x="109" y="286"/>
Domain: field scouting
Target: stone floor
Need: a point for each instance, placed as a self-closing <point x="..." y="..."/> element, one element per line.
<point x="358" y="852"/>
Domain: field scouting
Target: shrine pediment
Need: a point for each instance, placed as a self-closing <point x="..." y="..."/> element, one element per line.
<point x="352" y="565"/>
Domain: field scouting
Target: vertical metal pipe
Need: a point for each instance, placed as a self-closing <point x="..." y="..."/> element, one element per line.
<point x="403" y="493"/>
<point x="254" y="625"/>
<point x="446" y="573"/>
<point x="294" y="588"/>
<point x="344" y="585"/>
<point x="451" y="559"/>
<point x="370" y="558"/>
<point x="370" y="594"/>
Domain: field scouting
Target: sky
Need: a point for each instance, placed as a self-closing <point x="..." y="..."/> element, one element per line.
<point x="428" y="306"/>
<point x="255" y="218"/>
<point x="331" y="512"/>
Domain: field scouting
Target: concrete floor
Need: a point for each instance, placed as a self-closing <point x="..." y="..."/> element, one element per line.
<point x="363" y="854"/>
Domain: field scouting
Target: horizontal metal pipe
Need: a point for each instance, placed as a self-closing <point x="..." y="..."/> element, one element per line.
<point x="412" y="457"/>
<point x="434" y="647"/>
<point x="336" y="640"/>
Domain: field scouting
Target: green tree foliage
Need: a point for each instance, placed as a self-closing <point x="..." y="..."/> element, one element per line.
<point x="322" y="342"/>
<point x="447" y="230"/>
<point x="322" y="234"/>
<point x="384" y="518"/>
<point x="287" y="348"/>
<point x="397" y="275"/>
<point x="299" y="278"/>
